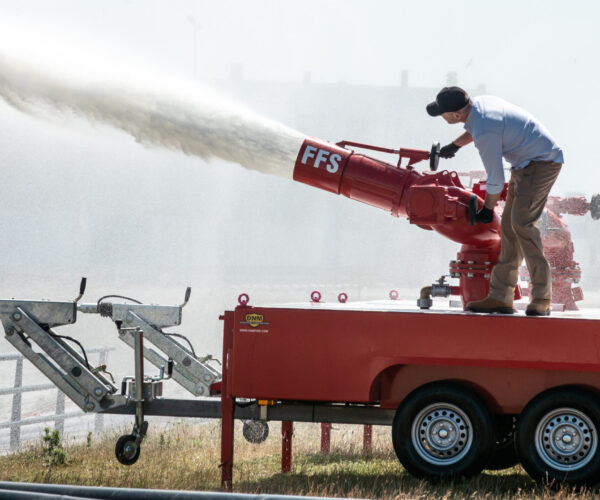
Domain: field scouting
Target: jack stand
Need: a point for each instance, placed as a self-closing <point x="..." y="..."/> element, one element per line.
<point x="127" y="449"/>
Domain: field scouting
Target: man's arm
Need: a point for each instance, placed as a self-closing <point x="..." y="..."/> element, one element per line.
<point x="449" y="150"/>
<point x="463" y="140"/>
<point x="490" y="150"/>
<point x="491" y="200"/>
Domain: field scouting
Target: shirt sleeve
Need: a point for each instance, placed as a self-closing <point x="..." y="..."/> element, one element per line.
<point x="490" y="149"/>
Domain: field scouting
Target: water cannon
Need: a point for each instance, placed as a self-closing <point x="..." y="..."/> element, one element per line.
<point x="575" y="205"/>
<point x="433" y="200"/>
<point x="559" y="248"/>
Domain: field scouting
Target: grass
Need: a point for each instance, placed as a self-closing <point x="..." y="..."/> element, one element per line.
<point x="186" y="456"/>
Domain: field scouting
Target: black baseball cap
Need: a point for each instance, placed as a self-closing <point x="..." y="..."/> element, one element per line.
<point x="448" y="99"/>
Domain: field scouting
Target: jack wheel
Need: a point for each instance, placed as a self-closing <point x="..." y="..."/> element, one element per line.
<point x="126" y="451"/>
<point x="557" y="437"/>
<point x="255" y="431"/>
<point x="443" y="431"/>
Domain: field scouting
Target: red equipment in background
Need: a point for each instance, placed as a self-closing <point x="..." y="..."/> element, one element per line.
<point x="558" y="244"/>
<point x="559" y="249"/>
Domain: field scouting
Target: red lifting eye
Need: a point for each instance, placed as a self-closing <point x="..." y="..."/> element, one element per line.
<point x="315" y="296"/>
<point x="394" y="294"/>
<point x="343" y="297"/>
<point x="243" y="299"/>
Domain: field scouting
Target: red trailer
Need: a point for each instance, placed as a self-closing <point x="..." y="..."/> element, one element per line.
<point x="462" y="391"/>
<point x="450" y="383"/>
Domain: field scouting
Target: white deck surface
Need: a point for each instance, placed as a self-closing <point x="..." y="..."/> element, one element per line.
<point x="439" y="307"/>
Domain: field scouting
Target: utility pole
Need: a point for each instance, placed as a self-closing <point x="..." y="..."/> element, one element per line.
<point x="195" y="27"/>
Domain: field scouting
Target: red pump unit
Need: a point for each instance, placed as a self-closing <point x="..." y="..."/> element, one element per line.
<point x="434" y="201"/>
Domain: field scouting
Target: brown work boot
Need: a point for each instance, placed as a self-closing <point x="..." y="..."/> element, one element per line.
<point x="490" y="305"/>
<point x="538" y="307"/>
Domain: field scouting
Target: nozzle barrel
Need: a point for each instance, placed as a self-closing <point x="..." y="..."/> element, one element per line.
<point x="435" y="201"/>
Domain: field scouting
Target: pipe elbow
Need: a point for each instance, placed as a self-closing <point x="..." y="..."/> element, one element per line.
<point x="424" y="301"/>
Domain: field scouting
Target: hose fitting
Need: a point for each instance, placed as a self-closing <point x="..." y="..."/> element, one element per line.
<point x="439" y="289"/>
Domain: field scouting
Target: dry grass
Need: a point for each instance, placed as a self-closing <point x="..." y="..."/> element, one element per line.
<point x="186" y="456"/>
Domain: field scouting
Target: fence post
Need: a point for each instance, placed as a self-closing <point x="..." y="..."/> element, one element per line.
<point x="325" y="437"/>
<point x="59" y="422"/>
<point x="99" y="418"/>
<point x="15" y="415"/>
<point x="287" y="431"/>
<point x="368" y="439"/>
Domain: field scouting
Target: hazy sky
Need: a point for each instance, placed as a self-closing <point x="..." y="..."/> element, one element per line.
<point x="508" y="45"/>
<point x="540" y="54"/>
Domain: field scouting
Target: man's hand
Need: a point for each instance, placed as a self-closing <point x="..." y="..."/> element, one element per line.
<point x="484" y="216"/>
<point x="449" y="150"/>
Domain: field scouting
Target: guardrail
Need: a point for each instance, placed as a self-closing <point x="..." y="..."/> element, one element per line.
<point x="16" y="422"/>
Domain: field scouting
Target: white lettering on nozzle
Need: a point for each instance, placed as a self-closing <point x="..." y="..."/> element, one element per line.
<point x="331" y="161"/>
<point x="309" y="152"/>
<point x="321" y="156"/>
<point x="333" y="165"/>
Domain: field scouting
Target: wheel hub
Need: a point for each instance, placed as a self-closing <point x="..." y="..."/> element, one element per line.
<point x="566" y="439"/>
<point x="129" y="450"/>
<point x="442" y="434"/>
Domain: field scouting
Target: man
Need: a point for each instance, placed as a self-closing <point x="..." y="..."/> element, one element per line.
<point x="501" y="129"/>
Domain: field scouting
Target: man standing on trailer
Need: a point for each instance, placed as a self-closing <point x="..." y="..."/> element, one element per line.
<point x="501" y="129"/>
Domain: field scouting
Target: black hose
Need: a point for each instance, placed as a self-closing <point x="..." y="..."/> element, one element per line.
<point x="118" y="297"/>
<point x="184" y="338"/>
<point x="65" y="337"/>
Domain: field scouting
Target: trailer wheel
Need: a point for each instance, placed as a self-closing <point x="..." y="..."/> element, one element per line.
<point x="504" y="454"/>
<point x="443" y="430"/>
<point x="557" y="437"/>
<point x="126" y="451"/>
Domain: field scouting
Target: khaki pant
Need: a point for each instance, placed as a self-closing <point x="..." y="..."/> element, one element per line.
<point x="528" y="191"/>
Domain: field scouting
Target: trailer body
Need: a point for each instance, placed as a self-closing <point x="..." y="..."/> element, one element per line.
<point x="378" y="352"/>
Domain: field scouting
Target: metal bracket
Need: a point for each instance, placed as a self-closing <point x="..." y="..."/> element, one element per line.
<point x="193" y="374"/>
<point x="28" y="322"/>
<point x="189" y="372"/>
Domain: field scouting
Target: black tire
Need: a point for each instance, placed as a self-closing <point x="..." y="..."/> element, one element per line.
<point x="255" y="431"/>
<point x="126" y="451"/>
<point x="504" y="454"/>
<point x="542" y="431"/>
<point x="466" y="445"/>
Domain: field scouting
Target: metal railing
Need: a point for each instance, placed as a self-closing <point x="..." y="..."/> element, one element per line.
<point x="16" y="422"/>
